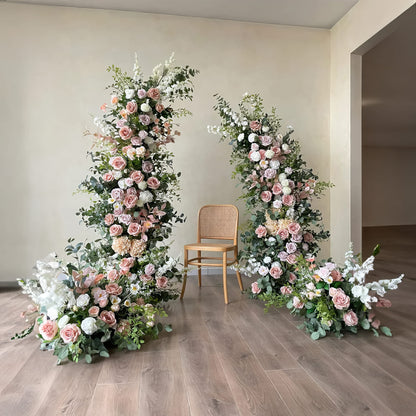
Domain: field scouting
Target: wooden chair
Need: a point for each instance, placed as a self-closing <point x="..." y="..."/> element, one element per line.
<point x="215" y="222"/>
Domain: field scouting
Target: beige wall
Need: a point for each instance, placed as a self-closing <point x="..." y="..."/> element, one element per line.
<point x="53" y="77"/>
<point x="360" y="24"/>
<point x="388" y="186"/>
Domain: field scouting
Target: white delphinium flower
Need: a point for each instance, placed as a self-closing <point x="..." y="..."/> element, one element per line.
<point x="377" y="287"/>
<point x="362" y="292"/>
<point x="89" y="325"/>
<point x="392" y="284"/>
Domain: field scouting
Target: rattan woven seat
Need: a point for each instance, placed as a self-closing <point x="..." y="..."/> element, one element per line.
<point x="215" y="222"/>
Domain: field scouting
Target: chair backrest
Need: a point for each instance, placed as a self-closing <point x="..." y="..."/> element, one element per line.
<point x="218" y="222"/>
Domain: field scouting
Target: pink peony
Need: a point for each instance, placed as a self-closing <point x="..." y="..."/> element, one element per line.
<point x="70" y="333"/>
<point x="350" y="318"/>
<point x="153" y="183"/>
<point x="340" y="299"/>
<point x="108" y="177"/>
<point x="131" y="107"/>
<point x="113" y="275"/>
<point x="109" y="318"/>
<point x="147" y="167"/>
<point x="285" y="290"/>
<point x="113" y="289"/>
<point x="294" y="228"/>
<point x="255" y="288"/>
<point x="117" y="194"/>
<point x="266" y="196"/>
<point x="130" y="201"/>
<point x="255" y="125"/>
<point x="118" y="163"/>
<point x="161" y="282"/>
<point x="277" y="189"/>
<point x="154" y="94"/>
<point x="261" y="231"/>
<point x="149" y="269"/>
<point x="48" y="329"/>
<point x="276" y="272"/>
<point x="116" y="230"/>
<point x="297" y="303"/>
<point x="134" y="229"/>
<point x="137" y="176"/>
<point x="131" y="191"/>
<point x="288" y="200"/>
<point x="146" y="278"/>
<point x="93" y="311"/>
<point x="109" y="219"/>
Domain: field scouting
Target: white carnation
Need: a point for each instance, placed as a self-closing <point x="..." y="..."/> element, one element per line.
<point x="282" y="177"/>
<point x="286" y="190"/>
<point x="83" y="300"/>
<point x="89" y="325"/>
<point x="145" y="107"/>
<point x="146" y="196"/>
<point x="142" y="185"/>
<point x="269" y="153"/>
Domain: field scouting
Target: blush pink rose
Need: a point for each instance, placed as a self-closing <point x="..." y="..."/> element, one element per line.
<point x="130" y="201"/>
<point x="109" y="219"/>
<point x="255" y="125"/>
<point x="146" y="278"/>
<point x="291" y="258"/>
<point x="131" y="191"/>
<point x="285" y="290"/>
<point x="266" y="196"/>
<point x="270" y="173"/>
<point x="297" y="303"/>
<point x="154" y="94"/>
<point x="113" y="289"/>
<point x="261" y="231"/>
<point x="125" y="132"/>
<point x="376" y="323"/>
<point x="134" y="229"/>
<point x="147" y="167"/>
<point x="109" y="318"/>
<point x="153" y="183"/>
<point x="350" y="318"/>
<point x="294" y="228"/>
<point x="131" y="107"/>
<point x="144" y="119"/>
<point x="336" y="275"/>
<point x="118" y="163"/>
<point x="283" y="233"/>
<point x="48" y="329"/>
<point x="93" y="311"/>
<point x="118" y="211"/>
<point x="136" y="141"/>
<point x="292" y="277"/>
<point x="117" y="194"/>
<point x="113" y="275"/>
<point x="159" y="107"/>
<point x="108" y="177"/>
<point x="149" y="269"/>
<point x="308" y="237"/>
<point x="262" y="154"/>
<point x="137" y="176"/>
<point x="266" y="140"/>
<point x="103" y="302"/>
<point x="340" y="299"/>
<point x="291" y="248"/>
<point x="255" y="288"/>
<point x="116" y="230"/>
<point x="288" y="200"/>
<point x="275" y="272"/>
<point x="125" y="219"/>
<point x="161" y="282"/>
<point x="127" y="263"/>
<point x="70" y="333"/>
<point x="277" y="189"/>
<point x="141" y="93"/>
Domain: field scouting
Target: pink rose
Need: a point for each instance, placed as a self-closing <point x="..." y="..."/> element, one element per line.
<point x="127" y="263"/>
<point x="144" y="119"/>
<point x="125" y="219"/>
<point x="292" y="278"/>
<point x="118" y="163"/>
<point x="332" y="291"/>
<point x="143" y="134"/>
<point x="296" y="238"/>
<point x="130" y="201"/>
<point x="266" y="140"/>
<point x="270" y="173"/>
<point x="70" y="333"/>
<point x="109" y="318"/>
<point x="113" y="289"/>
<point x="262" y="154"/>
<point x="147" y="167"/>
<point x="108" y="177"/>
<point x="277" y="189"/>
<point x="276" y="272"/>
<point x="149" y="269"/>
<point x="137" y="176"/>
<point x="261" y="231"/>
<point x="291" y="248"/>
<point x="131" y="107"/>
<point x="291" y="258"/>
<point x="161" y="282"/>
<point x="129" y="182"/>
<point x="113" y="275"/>
<point x="376" y="323"/>
<point x="285" y="290"/>
<point x="340" y="299"/>
<point x="294" y="228"/>
<point x="288" y="200"/>
<point x="283" y="233"/>
<point x="255" y="146"/>
<point x="136" y="141"/>
<point x="93" y="311"/>
<point x="255" y="288"/>
<point x="153" y="183"/>
<point x="336" y="275"/>
<point x="255" y="125"/>
<point x="297" y="303"/>
<point x="134" y="229"/>
<point x="118" y="211"/>
<point x="266" y="196"/>
<point x="131" y="191"/>
<point x="109" y="219"/>
<point x="141" y="93"/>
<point x="48" y="329"/>
<point x="116" y="230"/>
<point x="117" y="194"/>
<point x="159" y="108"/>
<point x="125" y="132"/>
<point x="350" y="318"/>
<point x="383" y="303"/>
<point x="308" y="237"/>
<point x="146" y="278"/>
<point x="154" y="94"/>
<point x="282" y="256"/>
<point x="103" y="302"/>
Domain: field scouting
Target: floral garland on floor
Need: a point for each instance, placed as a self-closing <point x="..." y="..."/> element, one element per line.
<point x="111" y="293"/>
<point x="281" y="238"/>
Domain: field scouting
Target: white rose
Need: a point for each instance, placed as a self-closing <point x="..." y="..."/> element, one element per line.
<point x="89" y="325"/>
<point x="129" y="93"/>
<point x="140" y="203"/>
<point x="255" y="156"/>
<point x="122" y="184"/>
<point x="269" y="153"/>
<point x="267" y="260"/>
<point x="83" y="300"/>
<point x="146" y="196"/>
<point x="274" y="164"/>
<point x="285" y="147"/>
<point x="63" y="321"/>
<point x="277" y="204"/>
<point x="145" y="107"/>
<point x="282" y="176"/>
<point x="142" y="185"/>
<point x="240" y="137"/>
<point x="117" y="174"/>
<point x="140" y="151"/>
<point x="265" y="128"/>
<point x="284" y="182"/>
<point x="286" y="190"/>
<point x="288" y="170"/>
<point x="252" y="137"/>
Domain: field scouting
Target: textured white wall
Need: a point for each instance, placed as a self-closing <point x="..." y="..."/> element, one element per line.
<point x="53" y="77"/>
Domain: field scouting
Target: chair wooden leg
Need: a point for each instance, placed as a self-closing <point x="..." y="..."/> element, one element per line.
<point x="185" y="275"/>
<point x="199" y="269"/>
<point x="239" y="280"/>
<point x="224" y="276"/>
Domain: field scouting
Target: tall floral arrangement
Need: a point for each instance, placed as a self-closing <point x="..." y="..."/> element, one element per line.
<point x="278" y="188"/>
<point x="111" y="292"/>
